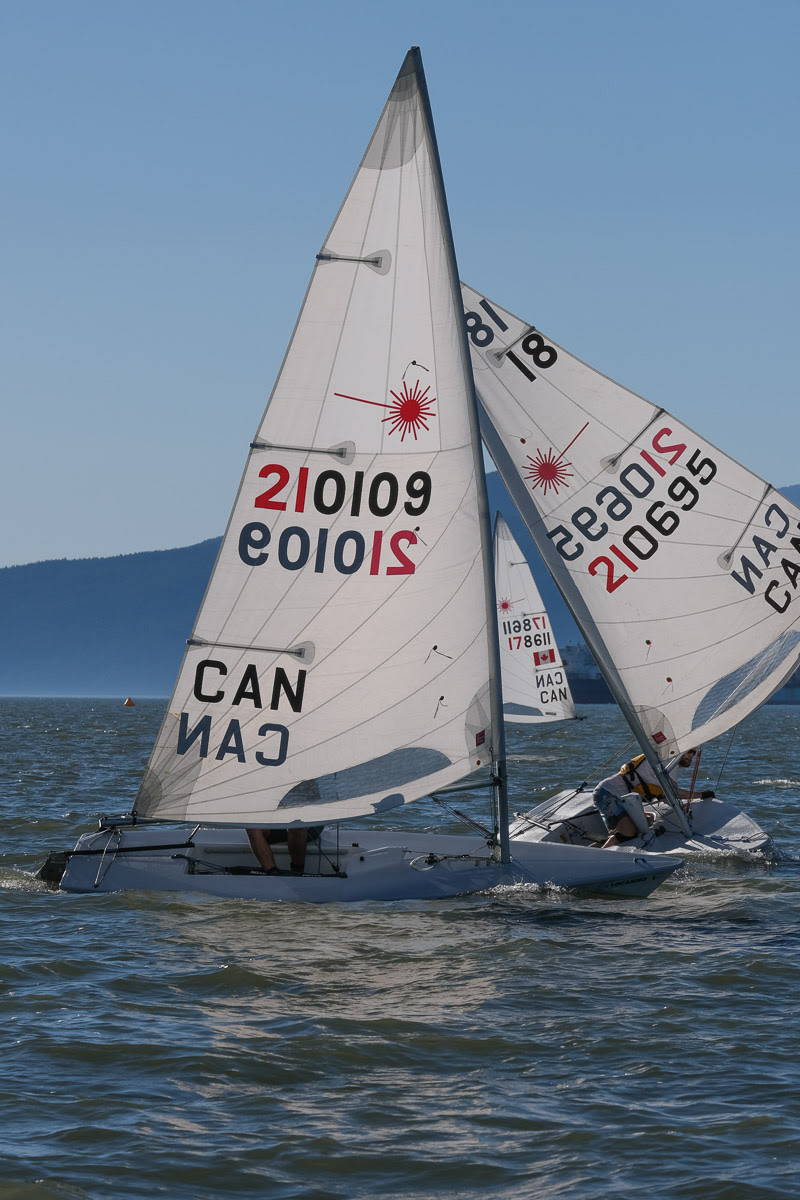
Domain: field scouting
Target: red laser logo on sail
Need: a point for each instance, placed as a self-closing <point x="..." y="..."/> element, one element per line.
<point x="409" y="411"/>
<point x="505" y="606"/>
<point x="549" y="470"/>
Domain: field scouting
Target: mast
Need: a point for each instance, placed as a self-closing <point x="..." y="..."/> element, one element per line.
<point x="499" y="767"/>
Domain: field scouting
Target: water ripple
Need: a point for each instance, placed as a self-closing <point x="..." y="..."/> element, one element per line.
<point x="519" y="1044"/>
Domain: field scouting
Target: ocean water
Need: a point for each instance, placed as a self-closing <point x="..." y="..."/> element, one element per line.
<point x="519" y="1044"/>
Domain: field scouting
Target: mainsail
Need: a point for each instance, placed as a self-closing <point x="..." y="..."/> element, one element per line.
<point x="341" y="663"/>
<point x="535" y="687"/>
<point x="680" y="565"/>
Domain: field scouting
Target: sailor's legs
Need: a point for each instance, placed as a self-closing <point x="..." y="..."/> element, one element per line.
<point x="619" y="825"/>
<point x="260" y="846"/>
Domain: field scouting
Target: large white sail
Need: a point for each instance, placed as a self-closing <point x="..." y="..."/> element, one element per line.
<point x="535" y="687"/>
<point x="340" y="664"/>
<point x="679" y="564"/>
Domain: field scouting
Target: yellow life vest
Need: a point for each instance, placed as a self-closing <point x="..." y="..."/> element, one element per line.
<point x="649" y="791"/>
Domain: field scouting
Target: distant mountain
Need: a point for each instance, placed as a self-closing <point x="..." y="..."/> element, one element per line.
<point x="100" y="626"/>
<point x="118" y="626"/>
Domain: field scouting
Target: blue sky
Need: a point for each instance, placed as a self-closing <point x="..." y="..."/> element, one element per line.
<point x="622" y="174"/>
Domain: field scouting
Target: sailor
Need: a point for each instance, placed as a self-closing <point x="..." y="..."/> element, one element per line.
<point x="634" y="776"/>
<point x="262" y="840"/>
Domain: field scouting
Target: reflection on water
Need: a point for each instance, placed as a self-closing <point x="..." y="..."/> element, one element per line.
<point x="523" y="1044"/>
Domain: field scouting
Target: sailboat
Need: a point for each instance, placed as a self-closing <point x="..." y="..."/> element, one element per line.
<point x="344" y="661"/>
<point x="535" y="686"/>
<point x="679" y="565"/>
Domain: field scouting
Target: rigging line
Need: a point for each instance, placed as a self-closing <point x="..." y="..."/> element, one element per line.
<point x="695" y="769"/>
<point x="476" y="825"/>
<point x="622" y="753"/>
<point x="725" y="559"/>
<point x="323" y="854"/>
<point x="727" y="752"/>
<point x="597" y="771"/>
<point x="478" y="786"/>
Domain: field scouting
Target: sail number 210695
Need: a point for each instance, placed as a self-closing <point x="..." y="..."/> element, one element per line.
<point x="637" y="542"/>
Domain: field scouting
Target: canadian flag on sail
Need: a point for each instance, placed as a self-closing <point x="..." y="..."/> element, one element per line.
<point x="542" y="657"/>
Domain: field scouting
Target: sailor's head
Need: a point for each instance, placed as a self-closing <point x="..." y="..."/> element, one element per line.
<point x="687" y="757"/>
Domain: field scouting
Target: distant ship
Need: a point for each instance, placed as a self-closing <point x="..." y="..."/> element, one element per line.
<point x="589" y="687"/>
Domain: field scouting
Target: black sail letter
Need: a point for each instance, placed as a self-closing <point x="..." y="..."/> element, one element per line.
<point x="294" y="696"/>
<point x="198" y="680"/>
<point x="248" y="689"/>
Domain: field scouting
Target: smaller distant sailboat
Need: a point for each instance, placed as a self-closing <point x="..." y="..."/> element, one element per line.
<point x="535" y="687"/>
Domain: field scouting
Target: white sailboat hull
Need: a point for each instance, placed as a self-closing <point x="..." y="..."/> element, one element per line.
<point x="718" y="828"/>
<point x="358" y="866"/>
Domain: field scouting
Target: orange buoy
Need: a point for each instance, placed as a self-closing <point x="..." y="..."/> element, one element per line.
<point x="128" y="703"/>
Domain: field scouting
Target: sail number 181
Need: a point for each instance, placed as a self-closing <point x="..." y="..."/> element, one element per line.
<point x="533" y="345"/>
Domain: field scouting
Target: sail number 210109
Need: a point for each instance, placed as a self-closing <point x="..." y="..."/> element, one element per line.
<point x="329" y="493"/>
